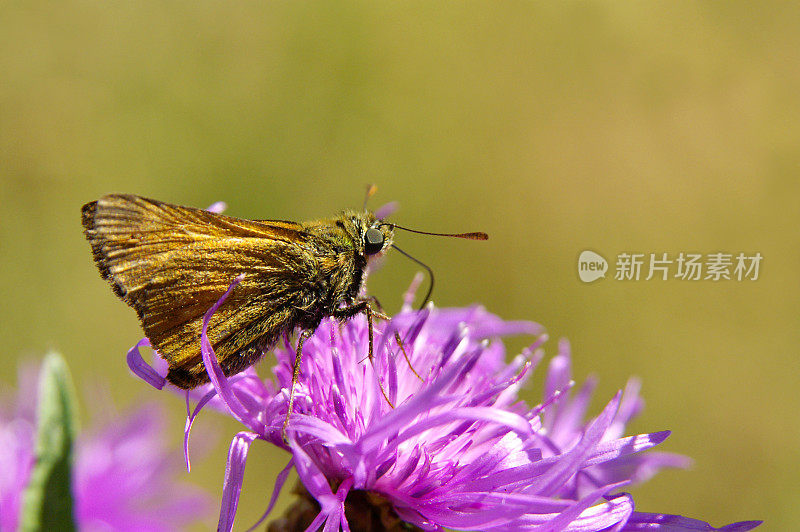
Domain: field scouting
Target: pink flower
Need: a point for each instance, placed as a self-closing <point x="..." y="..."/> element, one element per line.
<point x="123" y="478"/>
<point x="459" y="450"/>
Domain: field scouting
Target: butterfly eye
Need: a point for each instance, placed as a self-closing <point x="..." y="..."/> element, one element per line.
<point x="373" y="241"/>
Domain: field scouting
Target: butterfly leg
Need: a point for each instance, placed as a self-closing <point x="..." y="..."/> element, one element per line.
<point x="363" y="306"/>
<point x="298" y="357"/>
<point x="378" y="306"/>
<point x="382" y="315"/>
<point x="405" y="355"/>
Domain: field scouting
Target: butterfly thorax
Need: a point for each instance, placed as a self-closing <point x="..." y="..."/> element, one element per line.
<point x="337" y="244"/>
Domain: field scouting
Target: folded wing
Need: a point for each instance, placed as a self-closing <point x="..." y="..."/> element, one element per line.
<point x="172" y="263"/>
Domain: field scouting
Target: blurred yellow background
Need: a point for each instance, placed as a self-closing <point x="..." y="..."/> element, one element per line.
<point x="640" y="127"/>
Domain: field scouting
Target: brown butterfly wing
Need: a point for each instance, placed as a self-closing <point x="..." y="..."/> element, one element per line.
<point x="172" y="263"/>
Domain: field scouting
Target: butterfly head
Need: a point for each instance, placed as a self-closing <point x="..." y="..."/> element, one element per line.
<point x="374" y="237"/>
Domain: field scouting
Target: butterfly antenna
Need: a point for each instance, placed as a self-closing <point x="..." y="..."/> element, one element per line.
<point x="427" y="268"/>
<point x="469" y="236"/>
<point x="371" y="190"/>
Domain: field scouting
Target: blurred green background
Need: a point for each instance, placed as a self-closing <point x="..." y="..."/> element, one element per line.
<point x="641" y="127"/>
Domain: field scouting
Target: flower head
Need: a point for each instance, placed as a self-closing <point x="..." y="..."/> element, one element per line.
<point x="123" y="477"/>
<point x="458" y="449"/>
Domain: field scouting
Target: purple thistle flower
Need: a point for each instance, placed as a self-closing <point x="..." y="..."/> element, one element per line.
<point x="123" y="476"/>
<point x="459" y="450"/>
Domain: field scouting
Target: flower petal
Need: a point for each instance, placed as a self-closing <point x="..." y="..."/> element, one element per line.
<point x="570" y="461"/>
<point x="217" y="207"/>
<point x="633" y="444"/>
<point x="142" y="369"/>
<point x="386" y="210"/>
<point x="310" y="475"/>
<point x="221" y="383"/>
<point x="234" y="474"/>
<point x="677" y="523"/>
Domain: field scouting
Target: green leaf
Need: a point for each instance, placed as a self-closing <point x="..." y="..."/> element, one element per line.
<point x="47" y="502"/>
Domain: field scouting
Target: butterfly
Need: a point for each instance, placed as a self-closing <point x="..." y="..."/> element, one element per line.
<point x="172" y="263"/>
